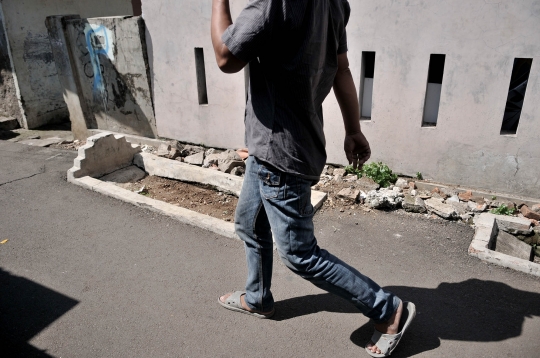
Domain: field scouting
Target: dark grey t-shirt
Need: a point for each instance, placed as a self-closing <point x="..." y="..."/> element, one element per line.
<point x="292" y="48"/>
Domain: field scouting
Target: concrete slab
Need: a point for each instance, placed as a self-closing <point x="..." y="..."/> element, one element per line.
<point x="126" y="175"/>
<point x="42" y="142"/>
<point x="8" y="123"/>
<point x="486" y="231"/>
<point x="103" y="154"/>
<point x="516" y="227"/>
<point x="510" y="245"/>
<point x="174" y="169"/>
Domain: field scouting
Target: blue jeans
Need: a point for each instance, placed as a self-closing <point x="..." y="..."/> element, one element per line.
<point x="275" y="202"/>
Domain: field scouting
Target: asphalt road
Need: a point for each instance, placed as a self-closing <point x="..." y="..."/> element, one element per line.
<point x="84" y="275"/>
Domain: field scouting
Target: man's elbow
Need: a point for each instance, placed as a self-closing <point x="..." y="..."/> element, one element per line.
<point x="226" y="65"/>
<point x="227" y="62"/>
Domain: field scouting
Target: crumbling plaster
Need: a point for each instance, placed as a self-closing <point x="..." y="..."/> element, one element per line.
<point x="10" y="105"/>
<point x="40" y="89"/>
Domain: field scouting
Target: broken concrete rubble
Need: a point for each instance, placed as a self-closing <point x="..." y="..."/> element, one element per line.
<point x="348" y="194"/>
<point x="195" y="159"/>
<point x="126" y="175"/>
<point x="414" y="204"/>
<point x="163" y="150"/>
<point x="238" y="171"/>
<point x="465" y="196"/>
<point x="367" y="184"/>
<point x="515" y="228"/>
<point x="460" y="208"/>
<point x="476" y="208"/>
<point x="529" y="214"/>
<point x="441" y="209"/>
<point x="448" y="202"/>
<point x="402" y="183"/>
<point x="339" y="171"/>
<point x="190" y="150"/>
<point x="174" y="153"/>
<point x="384" y="199"/>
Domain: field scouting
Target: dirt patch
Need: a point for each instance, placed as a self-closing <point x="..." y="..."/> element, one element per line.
<point x="203" y="199"/>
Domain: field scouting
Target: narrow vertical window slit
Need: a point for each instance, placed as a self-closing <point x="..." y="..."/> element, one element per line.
<point x="433" y="90"/>
<point x="201" y="75"/>
<point x="516" y="95"/>
<point x="366" y="84"/>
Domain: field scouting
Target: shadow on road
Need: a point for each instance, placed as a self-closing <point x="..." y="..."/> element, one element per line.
<point x="470" y="311"/>
<point x="27" y="308"/>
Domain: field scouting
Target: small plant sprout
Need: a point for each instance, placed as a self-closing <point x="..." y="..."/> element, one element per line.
<point x="503" y="210"/>
<point x="419" y="176"/>
<point x="379" y="172"/>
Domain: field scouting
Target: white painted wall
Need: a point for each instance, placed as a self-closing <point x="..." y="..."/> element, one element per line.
<point x="479" y="38"/>
<point x="40" y="88"/>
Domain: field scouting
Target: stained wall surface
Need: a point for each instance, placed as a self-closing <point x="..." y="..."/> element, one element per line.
<point x="9" y="105"/>
<point x="109" y="63"/>
<point x="41" y="93"/>
<point x="479" y="38"/>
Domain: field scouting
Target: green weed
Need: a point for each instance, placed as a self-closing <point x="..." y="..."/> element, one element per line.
<point x="503" y="210"/>
<point x="379" y="172"/>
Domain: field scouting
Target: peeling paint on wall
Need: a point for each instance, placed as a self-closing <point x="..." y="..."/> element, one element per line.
<point x="111" y="67"/>
<point x="9" y="104"/>
<point x="99" y="41"/>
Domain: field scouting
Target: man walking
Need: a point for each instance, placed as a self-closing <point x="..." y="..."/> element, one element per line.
<point x="297" y="52"/>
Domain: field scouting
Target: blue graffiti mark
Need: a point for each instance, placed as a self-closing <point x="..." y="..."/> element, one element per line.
<point x="97" y="45"/>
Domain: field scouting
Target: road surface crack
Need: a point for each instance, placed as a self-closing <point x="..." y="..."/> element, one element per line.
<point x="41" y="171"/>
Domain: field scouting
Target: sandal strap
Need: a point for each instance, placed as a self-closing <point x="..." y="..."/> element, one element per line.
<point x="385" y="342"/>
<point x="234" y="299"/>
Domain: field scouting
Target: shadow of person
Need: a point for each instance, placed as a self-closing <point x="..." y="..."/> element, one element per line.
<point x="469" y="311"/>
<point x="27" y="308"/>
<point x="301" y="306"/>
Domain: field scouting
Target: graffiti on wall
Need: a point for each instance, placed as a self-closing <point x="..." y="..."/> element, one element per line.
<point x="98" y="41"/>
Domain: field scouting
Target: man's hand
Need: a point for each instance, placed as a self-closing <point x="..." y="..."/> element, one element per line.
<point x="357" y="149"/>
<point x="356" y="145"/>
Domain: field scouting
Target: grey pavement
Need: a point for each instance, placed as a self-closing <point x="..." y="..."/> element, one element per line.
<point x="84" y="275"/>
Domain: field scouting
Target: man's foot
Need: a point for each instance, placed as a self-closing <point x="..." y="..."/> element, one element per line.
<point x="244" y="305"/>
<point x="390" y="327"/>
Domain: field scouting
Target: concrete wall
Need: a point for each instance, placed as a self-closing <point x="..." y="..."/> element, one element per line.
<point x="479" y="38"/>
<point x="41" y="93"/>
<point x="108" y="56"/>
<point x="9" y="104"/>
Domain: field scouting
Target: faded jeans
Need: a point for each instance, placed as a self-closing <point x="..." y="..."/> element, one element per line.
<point x="275" y="202"/>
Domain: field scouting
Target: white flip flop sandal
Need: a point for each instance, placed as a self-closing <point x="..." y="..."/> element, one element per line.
<point x="233" y="303"/>
<point x="388" y="342"/>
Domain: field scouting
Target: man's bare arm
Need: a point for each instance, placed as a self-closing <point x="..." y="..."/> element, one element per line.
<point x="356" y="145"/>
<point x="221" y="20"/>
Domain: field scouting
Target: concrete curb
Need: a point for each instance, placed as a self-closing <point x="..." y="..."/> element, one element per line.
<point x="105" y="153"/>
<point x="486" y="231"/>
<point x="206" y="222"/>
<point x="174" y="169"/>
